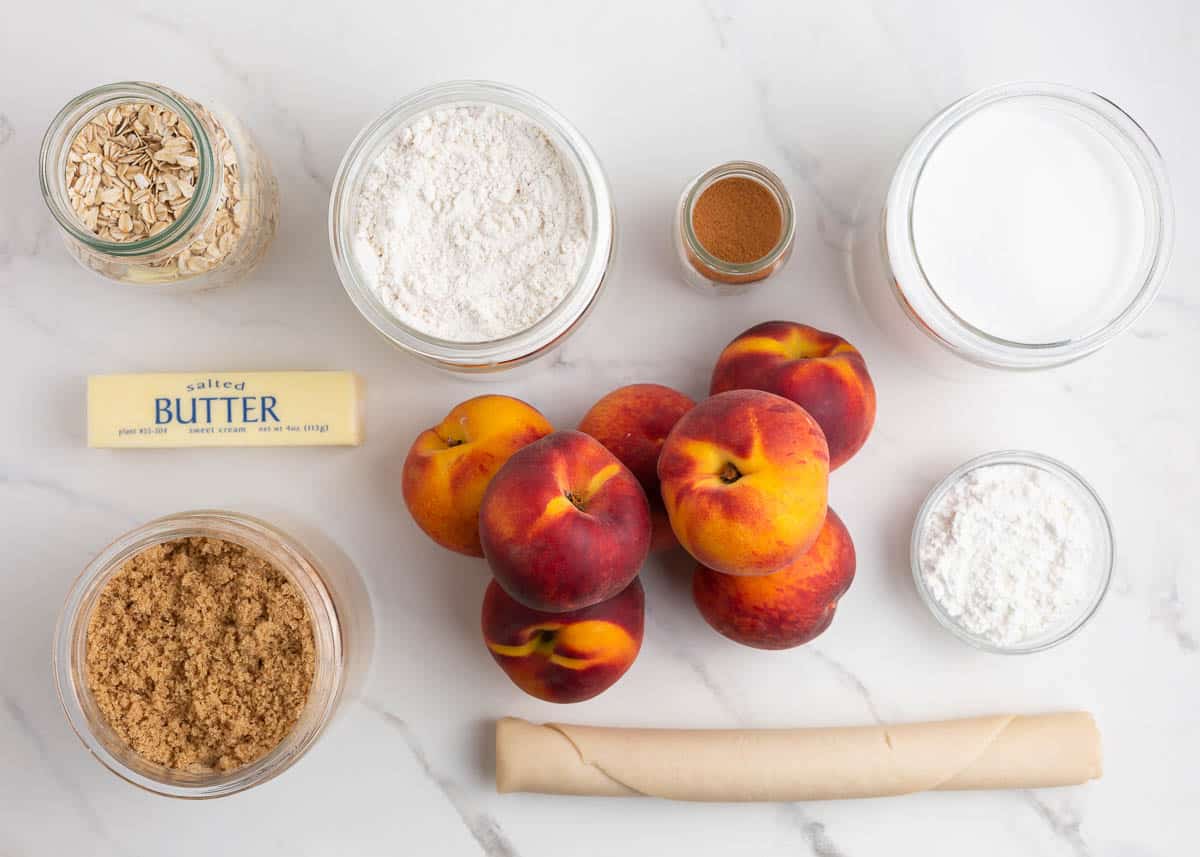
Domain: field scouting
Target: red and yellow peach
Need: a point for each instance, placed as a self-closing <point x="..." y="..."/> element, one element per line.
<point x="787" y="608"/>
<point x="633" y="422"/>
<point x="744" y="479"/>
<point x="564" y="657"/>
<point x="819" y="371"/>
<point x="564" y="524"/>
<point x="449" y="466"/>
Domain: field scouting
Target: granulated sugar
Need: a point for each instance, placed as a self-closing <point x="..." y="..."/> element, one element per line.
<point x="1029" y="224"/>
<point x="1007" y="552"/>
<point x="471" y="225"/>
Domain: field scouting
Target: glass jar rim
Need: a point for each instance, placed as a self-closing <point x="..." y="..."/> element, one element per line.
<point x="71" y="120"/>
<point x="466" y="356"/>
<point x="1105" y="536"/>
<point x="70" y="636"/>
<point x="925" y="306"/>
<point x="732" y="169"/>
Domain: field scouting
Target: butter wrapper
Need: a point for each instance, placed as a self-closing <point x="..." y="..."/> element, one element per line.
<point x="225" y="409"/>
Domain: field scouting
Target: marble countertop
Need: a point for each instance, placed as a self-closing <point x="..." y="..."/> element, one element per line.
<point x="826" y="94"/>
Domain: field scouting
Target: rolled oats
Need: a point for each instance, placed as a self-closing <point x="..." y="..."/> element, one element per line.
<point x="134" y="169"/>
<point x="152" y="188"/>
<point x="123" y="157"/>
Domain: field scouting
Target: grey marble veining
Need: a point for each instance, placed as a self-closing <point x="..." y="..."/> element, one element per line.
<point x="485" y="829"/>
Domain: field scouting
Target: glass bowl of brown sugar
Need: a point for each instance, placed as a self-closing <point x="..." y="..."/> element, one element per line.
<point x="203" y="653"/>
<point x="734" y="226"/>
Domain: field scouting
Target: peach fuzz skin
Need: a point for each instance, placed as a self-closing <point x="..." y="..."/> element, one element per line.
<point x="564" y="524"/>
<point x="633" y="422"/>
<point x="787" y="608"/>
<point x="564" y="657"/>
<point x="819" y="371"/>
<point x="745" y="476"/>
<point x="449" y="466"/>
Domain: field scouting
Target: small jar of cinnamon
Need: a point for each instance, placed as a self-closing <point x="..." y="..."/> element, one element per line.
<point x="734" y="226"/>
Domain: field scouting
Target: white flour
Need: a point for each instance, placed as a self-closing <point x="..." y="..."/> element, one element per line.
<point x="470" y="224"/>
<point x="1007" y="552"/>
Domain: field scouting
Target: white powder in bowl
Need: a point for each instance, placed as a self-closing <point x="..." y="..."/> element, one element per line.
<point x="470" y="224"/>
<point x="1029" y="224"/>
<point x="1008" y="551"/>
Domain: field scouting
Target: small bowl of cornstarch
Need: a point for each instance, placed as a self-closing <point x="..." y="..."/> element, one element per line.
<point x="1012" y="552"/>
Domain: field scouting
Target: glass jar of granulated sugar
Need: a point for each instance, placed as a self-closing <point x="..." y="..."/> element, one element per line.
<point x="152" y="188"/>
<point x="1024" y="227"/>
<point x="315" y="574"/>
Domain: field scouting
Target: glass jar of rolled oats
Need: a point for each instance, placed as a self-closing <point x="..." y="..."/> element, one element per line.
<point x="151" y="188"/>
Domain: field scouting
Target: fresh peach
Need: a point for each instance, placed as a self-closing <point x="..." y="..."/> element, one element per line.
<point x="450" y="465"/>
<point x="632" y="422"/>
<point x="788" y="607"/>
<point x="662" y="537"/>
<point x="819" y="371"/>
<point x="744" y="478"/>
<point x="564" y="524"/>
<point x="564" y="657"/>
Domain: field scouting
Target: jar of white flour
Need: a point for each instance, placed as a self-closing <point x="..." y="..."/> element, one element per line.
<point x="472" y="225"/>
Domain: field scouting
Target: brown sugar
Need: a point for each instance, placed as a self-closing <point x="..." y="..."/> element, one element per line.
<point x="200" y="654"/>
<point x="738" y="220"/>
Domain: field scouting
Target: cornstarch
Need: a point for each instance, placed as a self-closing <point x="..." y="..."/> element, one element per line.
<point x="471" y="225"/>
<point x="1007" y="552"/>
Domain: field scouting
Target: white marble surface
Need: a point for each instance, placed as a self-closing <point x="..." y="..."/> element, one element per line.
<point x="823" y="92"/>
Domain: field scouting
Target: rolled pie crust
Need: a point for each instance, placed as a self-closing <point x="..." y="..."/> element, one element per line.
<point x="1000" y="752"/>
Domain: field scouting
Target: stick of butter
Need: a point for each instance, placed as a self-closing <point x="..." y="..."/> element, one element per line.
<point x="225" y="409"/>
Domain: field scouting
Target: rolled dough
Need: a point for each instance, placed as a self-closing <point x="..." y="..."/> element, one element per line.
<point x="1000" y="752"/>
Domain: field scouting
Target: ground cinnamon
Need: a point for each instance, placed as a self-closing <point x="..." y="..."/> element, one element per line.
<point x="738" y="220"/>
<point x="200" y="654"/>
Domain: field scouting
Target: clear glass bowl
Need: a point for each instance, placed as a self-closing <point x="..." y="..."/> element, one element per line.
<point x="890" y="283"/>
<point x="329" y="636"/>
<point x="1103" y="551"/>
<point x="500" y="354"/>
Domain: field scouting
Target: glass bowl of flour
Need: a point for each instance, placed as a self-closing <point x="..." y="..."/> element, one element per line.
<point x="473" y="226"/>
<point x="1012" y="552"/>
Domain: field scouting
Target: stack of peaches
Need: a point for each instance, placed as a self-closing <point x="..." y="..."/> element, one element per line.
<point x="565" y="519"/>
